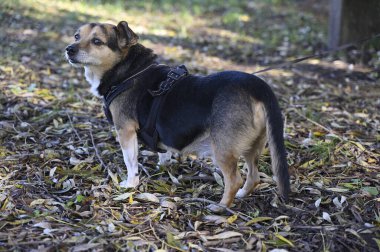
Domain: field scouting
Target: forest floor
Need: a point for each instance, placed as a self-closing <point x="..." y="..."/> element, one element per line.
<point x="56" y="196"/>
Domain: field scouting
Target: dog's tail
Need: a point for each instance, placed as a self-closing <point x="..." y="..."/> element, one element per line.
<point x="275" y="128"/>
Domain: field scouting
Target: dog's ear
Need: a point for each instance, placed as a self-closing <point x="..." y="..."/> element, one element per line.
<point x="126" y="37"/>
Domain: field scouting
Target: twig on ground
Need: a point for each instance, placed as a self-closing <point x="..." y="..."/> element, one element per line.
<point x="317" y="124"/>
<point x="96" y="151"/>
<point x="327" y="228"/>
<point x="205" y="178"/>
<point x="72" y="126"/>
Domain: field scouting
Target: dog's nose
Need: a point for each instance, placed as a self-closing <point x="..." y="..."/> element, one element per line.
<point x="71" y="50"/>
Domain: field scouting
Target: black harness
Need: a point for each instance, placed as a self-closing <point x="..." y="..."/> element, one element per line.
<point x="148" y="133"/>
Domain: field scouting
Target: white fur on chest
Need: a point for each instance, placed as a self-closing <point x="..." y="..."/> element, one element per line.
<point x="93" y="80"/>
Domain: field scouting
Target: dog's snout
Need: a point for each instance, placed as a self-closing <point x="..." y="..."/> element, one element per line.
<point x="71" y="50"/>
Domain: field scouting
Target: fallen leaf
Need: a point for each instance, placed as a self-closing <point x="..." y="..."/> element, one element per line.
<point x="318" y="202"/>
<point x="147" y="197"/>
<point x="218" y="179"/>
<point x="371" y="190"/>
<point x="326" y="216"/>
<point x="168" y="204"/>
<point x="258" y="219"/>
<point x="339" y="190"/>
<point x="282" y="238"/>
<point x="215" y="219"/>
<point x="123" y="196"/>
<point x="37" y="202"/>
<point x="43" y="225"/>
<point x="224" y="235"/>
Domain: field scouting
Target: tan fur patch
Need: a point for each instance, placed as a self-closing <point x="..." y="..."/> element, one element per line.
<point x="99" y="56"/>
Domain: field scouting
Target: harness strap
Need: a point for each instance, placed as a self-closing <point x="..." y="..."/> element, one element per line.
<point x="116" y="90"/>
<point x="149" y="133"/>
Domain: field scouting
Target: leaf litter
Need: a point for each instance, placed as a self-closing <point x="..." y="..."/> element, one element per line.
<point x="61" y="167"/>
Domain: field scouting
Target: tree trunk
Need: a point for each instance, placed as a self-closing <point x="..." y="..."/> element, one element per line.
<point x="353" y="20"/>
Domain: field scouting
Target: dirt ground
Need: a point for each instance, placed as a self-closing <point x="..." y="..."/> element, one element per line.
<point x="56" y="196"/>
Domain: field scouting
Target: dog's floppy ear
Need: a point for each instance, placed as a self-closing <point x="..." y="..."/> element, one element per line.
<point x="126" y="37"/>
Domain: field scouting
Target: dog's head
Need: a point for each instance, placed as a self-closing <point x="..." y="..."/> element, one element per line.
<point x="100" y="46"/>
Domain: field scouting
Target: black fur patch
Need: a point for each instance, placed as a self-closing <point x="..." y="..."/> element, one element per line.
<point x="112" y="40"/>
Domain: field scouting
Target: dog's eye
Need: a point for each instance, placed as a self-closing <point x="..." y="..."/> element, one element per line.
<point x="77" y="37"/>
<point x="97" y="42"/>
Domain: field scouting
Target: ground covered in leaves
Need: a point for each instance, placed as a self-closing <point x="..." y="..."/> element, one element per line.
<point x="55" y="194"/>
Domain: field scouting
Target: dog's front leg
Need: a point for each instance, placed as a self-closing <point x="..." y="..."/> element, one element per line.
<point x="128" y="141"/>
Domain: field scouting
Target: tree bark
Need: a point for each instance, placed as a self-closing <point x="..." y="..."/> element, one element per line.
<point x="353" y="20"/>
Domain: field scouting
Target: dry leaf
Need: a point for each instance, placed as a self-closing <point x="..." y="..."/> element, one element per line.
<point x="326" y="216"/>
<point x="224" y="235"/>
<point x="123" y="196"/>
<point x="147" y="197"/>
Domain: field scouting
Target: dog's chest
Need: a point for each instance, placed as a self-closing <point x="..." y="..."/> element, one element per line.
<point x="93" y="80"/>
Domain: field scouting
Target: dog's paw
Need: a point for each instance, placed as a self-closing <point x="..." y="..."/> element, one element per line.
<point x="215" y="208"/>
<point x="130" y="182"/>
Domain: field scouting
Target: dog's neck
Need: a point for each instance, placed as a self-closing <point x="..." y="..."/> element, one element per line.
<point x="93" y="76"/>
<point x="138" y="58"/>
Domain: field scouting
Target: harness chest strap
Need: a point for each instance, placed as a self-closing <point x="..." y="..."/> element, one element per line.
<point x="148" y="132"/>
<point x="116" y="90"/>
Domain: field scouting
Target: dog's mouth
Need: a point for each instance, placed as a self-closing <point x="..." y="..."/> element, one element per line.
<point x="81" y="59"/>
<point x="73" y="61"/>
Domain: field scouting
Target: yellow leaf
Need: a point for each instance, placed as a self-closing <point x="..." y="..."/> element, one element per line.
<point x="244" y="18"/>
<point x="258" y="219"/>
<point x="371" y="160"/>
<point x="19" y="222"/>
<point x="377" y="242"/>
<point x="131" y="199"/>
<point x="361" y="147"/>
<point x="307" y="164"/>
<point x="37" y="202"/>
<point x="232" y="219"/>
<point x="135" y="221"/>
<point x="318" y="133"/>
<point x="5" y="204"/>
<point x="79" y="166"/>
<point x="282" y="238"/>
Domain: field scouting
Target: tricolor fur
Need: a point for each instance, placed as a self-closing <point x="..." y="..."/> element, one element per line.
<point x="225" y="115"/>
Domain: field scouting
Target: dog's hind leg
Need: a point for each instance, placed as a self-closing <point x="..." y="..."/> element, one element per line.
<point x="252" y="159"/>
<point x="128" y="141"/>
<point x="227" y="162"/>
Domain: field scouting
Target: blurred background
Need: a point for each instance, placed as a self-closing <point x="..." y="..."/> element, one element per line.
<point x="201" y="32"/>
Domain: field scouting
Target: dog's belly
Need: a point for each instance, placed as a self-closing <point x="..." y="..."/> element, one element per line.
<point x="201" y="147"/>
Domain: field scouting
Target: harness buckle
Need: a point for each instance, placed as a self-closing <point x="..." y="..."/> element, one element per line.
<point x="178" y="72"/>
<point x="173" y="76"/>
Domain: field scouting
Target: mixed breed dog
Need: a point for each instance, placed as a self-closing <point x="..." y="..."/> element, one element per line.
<point x="224" y="115"/>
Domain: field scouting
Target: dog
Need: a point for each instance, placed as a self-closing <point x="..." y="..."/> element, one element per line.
<point x="225" y="115"/>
